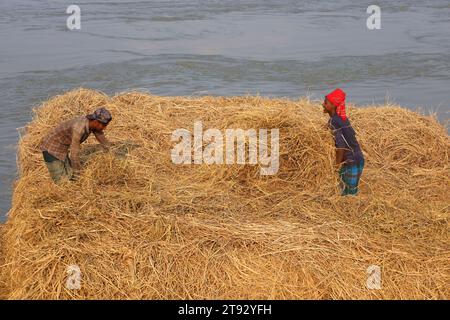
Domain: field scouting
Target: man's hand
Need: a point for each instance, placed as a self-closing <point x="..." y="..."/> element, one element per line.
<point x="75" y="175"/>
<point x="105" y="147"/>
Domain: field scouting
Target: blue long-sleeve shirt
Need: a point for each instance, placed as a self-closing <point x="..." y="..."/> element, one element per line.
<point x="345" y="138"/>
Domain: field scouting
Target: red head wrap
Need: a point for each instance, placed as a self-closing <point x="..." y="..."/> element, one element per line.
<point x="337" y="98"/>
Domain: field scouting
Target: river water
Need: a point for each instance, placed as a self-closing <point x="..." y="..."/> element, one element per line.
<point x="211" y="47"/>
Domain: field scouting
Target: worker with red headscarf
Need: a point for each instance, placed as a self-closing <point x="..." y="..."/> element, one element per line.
<point x="349" y="157"/>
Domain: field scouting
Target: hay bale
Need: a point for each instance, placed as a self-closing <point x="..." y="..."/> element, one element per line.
<point x="139" y="226"/>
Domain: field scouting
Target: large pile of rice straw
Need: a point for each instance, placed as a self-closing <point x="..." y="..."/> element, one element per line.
<point x="3" y="290"/>
<point x="139" y="226"/>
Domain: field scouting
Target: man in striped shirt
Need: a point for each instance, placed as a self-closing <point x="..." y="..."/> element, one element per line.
<point x="68" y="136"/>
<point x="349" y="157"/>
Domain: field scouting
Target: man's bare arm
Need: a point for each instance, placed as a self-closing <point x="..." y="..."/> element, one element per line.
<point x="339" y="156"/>
<point x="100" y="136"/>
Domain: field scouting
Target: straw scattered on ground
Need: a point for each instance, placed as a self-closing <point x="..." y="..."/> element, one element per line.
<point x="139" y="226"/>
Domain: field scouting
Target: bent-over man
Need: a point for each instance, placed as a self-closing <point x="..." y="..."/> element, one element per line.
<point x="68" y="136"/>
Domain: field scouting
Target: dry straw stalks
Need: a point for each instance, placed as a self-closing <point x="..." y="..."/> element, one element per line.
<point x="139" y="226"/>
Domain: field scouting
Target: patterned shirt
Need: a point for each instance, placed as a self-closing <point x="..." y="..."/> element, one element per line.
<point x="345" y="138"/>
<point x="69" y="135"/>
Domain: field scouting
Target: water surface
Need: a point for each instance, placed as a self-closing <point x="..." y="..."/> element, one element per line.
<point x="208" y="47"/>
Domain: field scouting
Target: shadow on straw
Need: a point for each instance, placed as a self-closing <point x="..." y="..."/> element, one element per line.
<point x="119" y="149"/>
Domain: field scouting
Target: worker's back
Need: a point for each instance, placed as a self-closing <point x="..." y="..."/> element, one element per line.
<point x="58" y="141"/>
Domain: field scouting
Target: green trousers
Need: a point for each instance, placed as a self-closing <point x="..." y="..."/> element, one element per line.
<point x="59" y="170"/>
